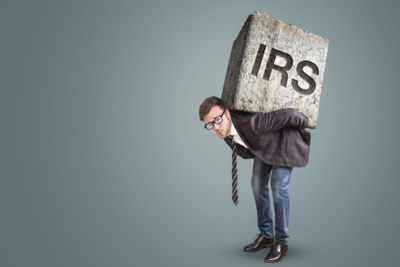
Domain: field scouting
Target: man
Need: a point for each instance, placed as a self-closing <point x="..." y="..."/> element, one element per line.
<point x="278" y="142"/>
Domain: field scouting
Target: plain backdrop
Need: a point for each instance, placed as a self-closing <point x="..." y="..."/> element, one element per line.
<point x="104" y="161"/>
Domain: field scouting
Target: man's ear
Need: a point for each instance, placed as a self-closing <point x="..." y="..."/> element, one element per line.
<point x="228" y="114"/>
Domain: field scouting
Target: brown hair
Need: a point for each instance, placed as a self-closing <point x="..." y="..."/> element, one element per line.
<point x="208" y="103"/>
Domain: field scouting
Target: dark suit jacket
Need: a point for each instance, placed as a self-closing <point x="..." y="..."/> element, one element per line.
<point x="277" y="138"/>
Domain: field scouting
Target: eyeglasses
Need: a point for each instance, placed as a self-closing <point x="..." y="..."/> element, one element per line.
<point x="217" y="120"/>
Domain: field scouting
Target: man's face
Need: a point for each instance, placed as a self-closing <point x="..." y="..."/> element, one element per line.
<point x="223" y="129"/>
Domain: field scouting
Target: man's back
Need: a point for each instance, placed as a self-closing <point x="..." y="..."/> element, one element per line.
<point x="278" y="138"/>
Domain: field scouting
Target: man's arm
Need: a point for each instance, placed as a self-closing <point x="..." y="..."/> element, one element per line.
<point x="279" y="119"/>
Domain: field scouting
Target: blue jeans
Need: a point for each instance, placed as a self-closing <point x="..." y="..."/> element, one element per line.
<point x="280" y="178"/>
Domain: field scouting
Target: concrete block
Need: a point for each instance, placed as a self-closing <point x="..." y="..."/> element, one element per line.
<point x="275" y="65"/>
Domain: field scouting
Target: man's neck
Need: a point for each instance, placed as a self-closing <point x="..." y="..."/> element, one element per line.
<point x="233" y="129"/>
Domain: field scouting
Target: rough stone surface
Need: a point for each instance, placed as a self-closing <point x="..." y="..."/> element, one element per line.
<point x="266" y="44"/>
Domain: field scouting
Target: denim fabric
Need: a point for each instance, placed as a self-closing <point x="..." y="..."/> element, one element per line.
<point x="280" y="178"/>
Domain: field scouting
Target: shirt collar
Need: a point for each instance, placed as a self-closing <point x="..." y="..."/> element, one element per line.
<point x="233" y="130"/>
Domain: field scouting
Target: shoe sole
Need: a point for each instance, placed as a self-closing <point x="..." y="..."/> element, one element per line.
<point x="254" y="250"/>
<point x="281" y="258"/>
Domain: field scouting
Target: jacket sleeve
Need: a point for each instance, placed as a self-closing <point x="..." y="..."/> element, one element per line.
<point x="276" y="120"/>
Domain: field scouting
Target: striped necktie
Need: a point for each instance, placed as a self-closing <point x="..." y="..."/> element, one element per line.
<point x="235" y="197"/>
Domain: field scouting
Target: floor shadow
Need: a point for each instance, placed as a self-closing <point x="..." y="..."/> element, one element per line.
<point x="233" y="251"/>
<point x="296" y="251"/>
<point x="237" y="252"/>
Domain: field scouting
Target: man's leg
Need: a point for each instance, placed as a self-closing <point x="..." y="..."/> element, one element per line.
<point x="280" y="179"/>
<point x="259" y="184"/>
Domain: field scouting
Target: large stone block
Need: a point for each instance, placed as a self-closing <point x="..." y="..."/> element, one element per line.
<point x="275" y="65"/>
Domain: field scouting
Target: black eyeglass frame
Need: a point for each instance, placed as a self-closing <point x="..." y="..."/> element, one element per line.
<point x="214" y="122"/>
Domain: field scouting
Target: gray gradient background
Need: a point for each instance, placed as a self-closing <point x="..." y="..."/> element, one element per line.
<point x="104" y="161"/>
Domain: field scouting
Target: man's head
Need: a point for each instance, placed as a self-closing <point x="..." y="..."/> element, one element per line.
<point x="216" y="116"/>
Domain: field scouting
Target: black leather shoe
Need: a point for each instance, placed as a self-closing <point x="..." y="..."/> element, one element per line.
<point x="259" y="243"/>
<point x="277" y="253"/>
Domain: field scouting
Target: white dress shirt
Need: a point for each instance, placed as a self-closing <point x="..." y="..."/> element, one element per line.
<point x="236" y="136"/>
